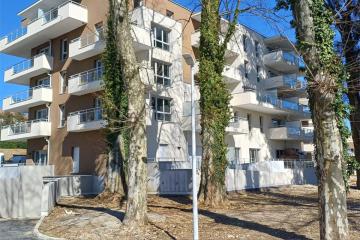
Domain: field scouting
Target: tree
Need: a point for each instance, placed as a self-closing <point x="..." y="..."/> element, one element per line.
<point x="347" y="22"/>
<point x="215" y="99"/>
<point x="115" y="108"/>
<point x="136" y="208"/>
<point x="312" y="21"/>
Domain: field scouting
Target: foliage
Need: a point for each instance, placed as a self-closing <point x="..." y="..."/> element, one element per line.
<point x="115" y="99"/>
<point x="13" y="145"/>
<point x="329" y="61"/>
<point x="7" y="118"/>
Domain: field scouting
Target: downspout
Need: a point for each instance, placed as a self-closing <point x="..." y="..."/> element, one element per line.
<point x="48" y="150"/>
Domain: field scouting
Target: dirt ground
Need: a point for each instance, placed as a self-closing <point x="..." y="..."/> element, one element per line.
<point x="276" y="213"/>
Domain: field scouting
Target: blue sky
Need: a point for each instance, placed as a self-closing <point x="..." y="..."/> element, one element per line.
<point x="9" y="21"/>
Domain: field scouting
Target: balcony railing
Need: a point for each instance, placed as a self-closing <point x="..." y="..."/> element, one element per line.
<point x="91" y="38"/>
<point x="25" y="95"/>
<point x="24" y="65"/>
<point x="47" y="17"/>
<point x="88" y="115"/>
<point x="294" y="82"/>
<point x="89" y="76"/>
<point x="283" y="104"/>
<point x="22" y="127"/>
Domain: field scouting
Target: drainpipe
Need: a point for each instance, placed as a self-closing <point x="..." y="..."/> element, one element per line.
<point x="48" y="150"/>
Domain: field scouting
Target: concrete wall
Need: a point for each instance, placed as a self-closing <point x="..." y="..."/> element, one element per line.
<point x="21" y="190"/>
<point x="267" y="174"/>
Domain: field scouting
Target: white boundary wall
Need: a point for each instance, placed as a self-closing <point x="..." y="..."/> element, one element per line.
<point x="21" y="190"/>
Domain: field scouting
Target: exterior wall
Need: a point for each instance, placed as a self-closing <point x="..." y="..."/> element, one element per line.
<point x="92" y="144"/>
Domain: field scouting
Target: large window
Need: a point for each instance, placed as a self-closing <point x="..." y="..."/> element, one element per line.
<point x="161" y="38"/>
<point x="162" y="107"/>
<point x="254" y="155"/>
<point x="162" y="73"/>
<point x="40" y="157"/>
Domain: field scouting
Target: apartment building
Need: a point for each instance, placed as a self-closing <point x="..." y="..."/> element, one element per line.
<point x="62" y="41"/>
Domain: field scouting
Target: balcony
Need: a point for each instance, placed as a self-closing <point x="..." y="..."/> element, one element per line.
<point x="230" y="74"/>
<point x="33" y="97"/>
<point x="290" y="82"/>
<point x="307" y="147"/>
<point x="236" y="126"/>
<point x="94" y="43"/>
<point x="232" y="49"/>
<point x="23" y="71"/>
<point x="86" y="82"/>
<point x="282" y="61"/>
<point x="268" y="104"/>
<point x="85" y="120"/>
<point x="26" y="130"/>
<point x="52" y="24"/>
<point x="291" y="133"/>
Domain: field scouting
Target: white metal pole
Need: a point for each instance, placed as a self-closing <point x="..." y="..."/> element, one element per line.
<point x="194" y="169"/>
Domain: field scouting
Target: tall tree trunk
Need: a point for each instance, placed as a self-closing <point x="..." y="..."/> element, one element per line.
<point x="136" y="211"/>
<point x="115" y="179"/>
<point x="312" y="30"/>
<point x="214" y="100"/>
<point x="347" y="22"/>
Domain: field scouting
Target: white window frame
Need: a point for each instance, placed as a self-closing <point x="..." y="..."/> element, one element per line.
<point x="246" y="65"/>
<point x="254" y="155"/>
<point x="161" y="115"/>
<point x="63" y="82"/>
<point x="46" y="82"/>
<point x="64" y="49"/>
<point x="42" y="114"/>
<point x="40" y="157"/>
<point x="164" y="45"/>
<point x="62" y="118"/>
<point x="162" y="79"/>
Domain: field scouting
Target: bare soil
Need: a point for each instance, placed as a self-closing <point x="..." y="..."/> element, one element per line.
<point x="276" y="213"/>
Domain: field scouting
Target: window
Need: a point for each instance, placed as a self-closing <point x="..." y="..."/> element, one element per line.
<point x="137" y="3"/>
<point x="62" y="118"/>
<point x="246" y="65"/>
<point x="258" y="73"/>
<point x="237" y="155"/>
<point x="40" y="157"/>
<point x="41" y="114"/>
<point x="99" y="31"/>
<point x="257" y="49"/>
<point x="279" y="153"/>
<point x="45" y="50"/>
<point x="261" y="123"/>
<point x="161" y="38"/>
<point x="254" y="155"/>
<point x="248" y="116"/>
<point x="64" y="49"/>
<point x="162" y="73"/>
<point x="169" y="14"/>
<point x="162" y="108"/>
<point x="244" y="40"/>
<point x="43" y="82"/>
<point x="63" y="82"/>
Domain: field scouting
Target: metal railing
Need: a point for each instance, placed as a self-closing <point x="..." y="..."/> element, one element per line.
<point x="91" y="38"/>
<point x="46" y="18"/>
<point x="22" y="127"/>
<point x="288" y="163"/>
<point x="89" y="76"/>
<point x="283" y="104"/>
<point x="88" y="115"/>
<point x="294" y="82"/>
<point x="25" y="95"/>
<point x="24" y="65"/>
